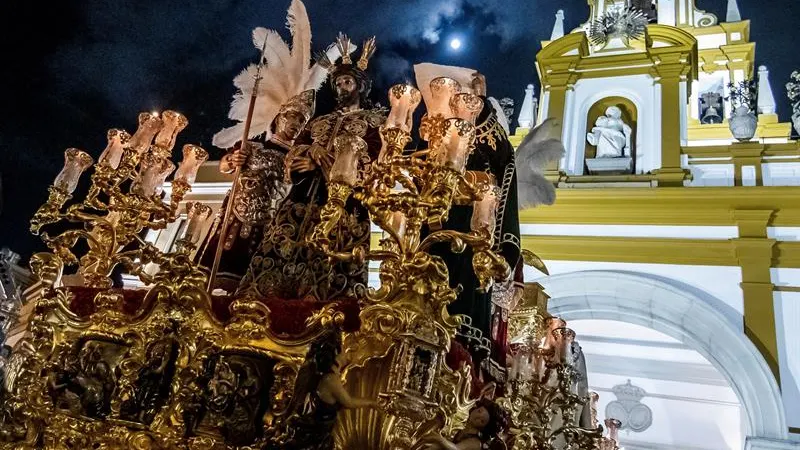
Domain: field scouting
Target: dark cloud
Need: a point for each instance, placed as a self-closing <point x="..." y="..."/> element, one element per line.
<point x="392" y="68"/>
<point x="128" y="50"/>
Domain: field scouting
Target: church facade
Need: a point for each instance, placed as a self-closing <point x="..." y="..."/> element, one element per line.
<point x="674" y="223"/>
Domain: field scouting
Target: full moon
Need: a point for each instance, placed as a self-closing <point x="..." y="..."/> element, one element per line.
<point x="455" y="44"/>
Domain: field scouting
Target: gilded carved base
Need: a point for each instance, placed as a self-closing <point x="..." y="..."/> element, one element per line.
<point x="151" y="379"/>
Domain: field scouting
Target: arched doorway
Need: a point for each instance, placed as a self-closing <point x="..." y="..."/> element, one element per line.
<point x="665" y="394"/>
<point x="679" y="312"/>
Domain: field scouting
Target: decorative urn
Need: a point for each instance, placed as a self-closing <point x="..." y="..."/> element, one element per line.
<point x="743" y="123"/>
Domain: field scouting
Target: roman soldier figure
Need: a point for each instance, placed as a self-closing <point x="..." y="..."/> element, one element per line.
<point x="260" y="191"/>
<point x="283" y="106"/>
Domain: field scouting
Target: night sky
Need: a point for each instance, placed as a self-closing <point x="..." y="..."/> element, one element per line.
<point x="73" y="69"/>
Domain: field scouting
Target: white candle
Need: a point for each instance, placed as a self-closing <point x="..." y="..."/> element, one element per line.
<point x="174" y="123"/>
<point x="484" y="212"/>
<point x="75" y="163"/>
<point x="466" y="106"/>
<point x="442" y="91"/>
<point x="152" y="173"/>
<point x="456" y="144"/>
<point x="197" y="215"/>
<point x="564" y="338"/>
<point x="193" y="158"/>
<point x="149" y="124"/>
<point x="112" y="155"/>
<point x="348" y="150"/>
<point x="403" y="100"/>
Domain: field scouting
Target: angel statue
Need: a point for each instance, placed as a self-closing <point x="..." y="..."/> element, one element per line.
<point x="611" y="135"/>
<point x="485" y="429"/>
<point x="284" y="105"/>
<point x="286" y="264"/>
<point x="318" y="396"/>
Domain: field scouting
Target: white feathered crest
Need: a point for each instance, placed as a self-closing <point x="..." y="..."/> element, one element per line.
<point x="540" y="147"/>
<point x="286" y="72"/>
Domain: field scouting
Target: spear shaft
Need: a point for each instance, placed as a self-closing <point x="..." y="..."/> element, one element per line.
<point x="226" y="217"/>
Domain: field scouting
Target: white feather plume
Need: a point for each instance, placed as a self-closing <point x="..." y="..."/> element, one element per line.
<point x="286" y="72"/>
<point x="540" y="147"/>
<point x="534" y="191"/>
<point x="318" y="74"/>
<point x="300" y="27"/>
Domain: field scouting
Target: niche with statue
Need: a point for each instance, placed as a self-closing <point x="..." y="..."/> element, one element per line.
<point x="611" y="139"/>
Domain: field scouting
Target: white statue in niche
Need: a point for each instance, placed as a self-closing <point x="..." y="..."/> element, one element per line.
<point x="611" y="135"/>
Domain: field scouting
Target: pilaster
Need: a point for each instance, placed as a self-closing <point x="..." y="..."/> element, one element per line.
<point x="754" y="251"/>
<point x="747" y="154"/>
<point x="559" y="85"/>
<point x="670" y="75"/>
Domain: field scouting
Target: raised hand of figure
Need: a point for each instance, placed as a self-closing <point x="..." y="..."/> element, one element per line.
<point x="239" y="157"/>
<point x="234" y="160"/>
<point x="302" y="164"/>
<point x="478" y="84"/>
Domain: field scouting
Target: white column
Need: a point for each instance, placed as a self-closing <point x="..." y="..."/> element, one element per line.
<point x="694" y="102"/>
<point x="666" y="12"/>
<point x="682" y="107"/>
<point x="558" y="27"/>
<point x="655" y="139"/>
<point x="544" y="107"/>
<point x="766" y="100"/>
<point x="733" y="12"/>
<point x="573" y="145"/>
<point x="527" y="114"/>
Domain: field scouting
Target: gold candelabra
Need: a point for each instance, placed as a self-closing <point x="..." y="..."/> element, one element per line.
<point x="408" y="195"/>
<point x="542" y="392"/>
<point x="611" y="441"/>
<point x="396" y="356"/>
<point x="124" y="198"/>
<point x="404" y="191"/>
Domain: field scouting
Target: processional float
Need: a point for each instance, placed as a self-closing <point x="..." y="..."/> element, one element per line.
<point x="173" y="367"/>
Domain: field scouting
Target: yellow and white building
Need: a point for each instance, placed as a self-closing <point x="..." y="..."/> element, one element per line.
<point x="683" y="276"/>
